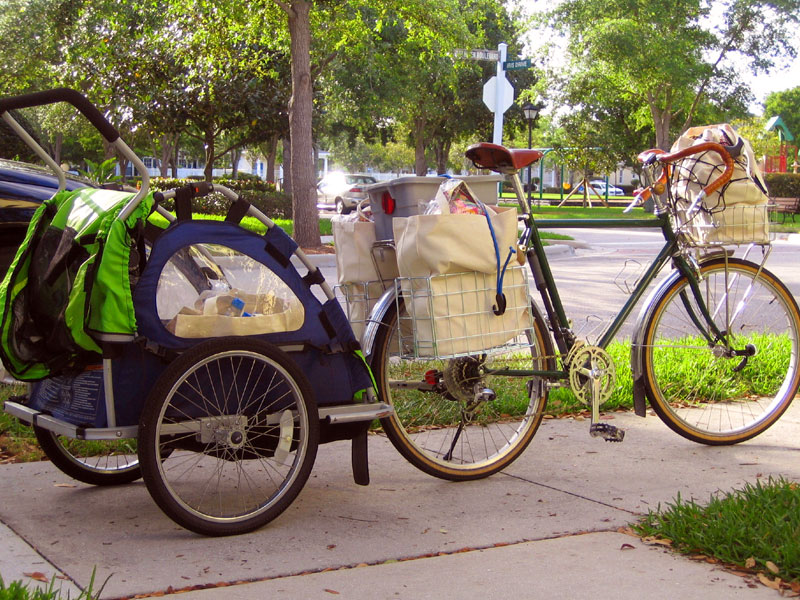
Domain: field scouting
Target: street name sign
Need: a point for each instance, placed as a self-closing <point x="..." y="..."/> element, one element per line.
<point x="516" y="65"/>
<point x="479" y="54"/>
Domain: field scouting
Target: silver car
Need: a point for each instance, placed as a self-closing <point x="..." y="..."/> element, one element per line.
<point x="342" y="191"/>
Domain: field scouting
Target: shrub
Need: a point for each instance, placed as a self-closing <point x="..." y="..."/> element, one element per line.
<point x="262" y="195"/>
<point x="783" y="185"/>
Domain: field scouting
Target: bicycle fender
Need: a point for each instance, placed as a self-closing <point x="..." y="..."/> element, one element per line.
<point x="375" y="319"/>
<point x="637" y="341"/>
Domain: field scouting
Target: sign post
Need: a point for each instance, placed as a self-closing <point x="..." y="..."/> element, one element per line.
<point x="498" y="93"/>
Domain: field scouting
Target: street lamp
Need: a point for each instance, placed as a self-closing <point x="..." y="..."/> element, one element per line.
<point x="531" y="112"/>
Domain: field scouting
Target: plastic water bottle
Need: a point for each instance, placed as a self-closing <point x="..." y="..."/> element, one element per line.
<point x="236" y="309"/>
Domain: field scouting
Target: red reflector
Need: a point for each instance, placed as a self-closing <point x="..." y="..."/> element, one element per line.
<point x="431" y="377"/>
<point x="387" y="203"/>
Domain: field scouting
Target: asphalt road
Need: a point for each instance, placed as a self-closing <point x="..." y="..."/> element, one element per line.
<point x="594" y="279"/>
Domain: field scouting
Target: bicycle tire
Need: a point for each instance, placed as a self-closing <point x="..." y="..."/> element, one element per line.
<point x="96" y="462"/>
<point x="228" y="436"/>
<point x="702" y="390"/>
<point x="425" y="423"/>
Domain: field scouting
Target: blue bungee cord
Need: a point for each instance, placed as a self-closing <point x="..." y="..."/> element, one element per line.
<point x="500" y="298"/>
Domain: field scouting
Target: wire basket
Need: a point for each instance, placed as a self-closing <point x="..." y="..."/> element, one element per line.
<point x="446" y="316"/>
<point x="732" y="225"/>
<point x="735" y="214"/>
<point x="359" y="298"/>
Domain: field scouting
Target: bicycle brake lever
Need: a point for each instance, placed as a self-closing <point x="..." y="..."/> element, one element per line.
<point x="638" y="198"/>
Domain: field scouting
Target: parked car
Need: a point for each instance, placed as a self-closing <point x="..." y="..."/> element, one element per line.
<point x="600" y="188"/>
<point x="23" y="187"/>
<point x="342" y="191"/>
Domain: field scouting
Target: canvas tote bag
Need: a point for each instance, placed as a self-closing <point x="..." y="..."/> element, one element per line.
<point x="448" y="267"/>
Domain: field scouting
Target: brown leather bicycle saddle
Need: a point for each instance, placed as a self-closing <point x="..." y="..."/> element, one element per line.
<point x="501" y="159"/>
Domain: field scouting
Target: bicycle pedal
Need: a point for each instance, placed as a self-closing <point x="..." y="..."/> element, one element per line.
<point x="609" y="433"/>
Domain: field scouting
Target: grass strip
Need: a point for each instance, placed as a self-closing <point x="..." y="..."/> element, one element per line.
<point x="18" y="590"/>
<point x="755" y="528"/>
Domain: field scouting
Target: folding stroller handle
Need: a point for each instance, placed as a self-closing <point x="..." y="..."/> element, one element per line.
<point x="70" y="96"/>
<point x="94" y="116"/>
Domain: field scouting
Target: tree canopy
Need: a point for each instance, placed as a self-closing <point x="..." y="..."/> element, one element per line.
<point x="360" y="75"/>
<point x="786" y="105"/>
<point x="668" y="62"/>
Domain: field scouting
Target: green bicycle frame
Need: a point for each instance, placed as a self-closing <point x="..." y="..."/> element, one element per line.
<point x="548" y="290"/>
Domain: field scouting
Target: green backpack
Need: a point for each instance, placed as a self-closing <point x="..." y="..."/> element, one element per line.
<point x="68" y="289"/>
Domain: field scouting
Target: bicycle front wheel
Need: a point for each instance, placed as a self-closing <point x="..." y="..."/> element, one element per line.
<point x="454" y="418"/>
<point x="727" y="386"/>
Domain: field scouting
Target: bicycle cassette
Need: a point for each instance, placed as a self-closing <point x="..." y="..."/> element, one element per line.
<point x="591" y="372"/>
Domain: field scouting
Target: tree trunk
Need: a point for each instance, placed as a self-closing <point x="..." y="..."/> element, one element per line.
<point x="662" y="118"/>
<point x="166" y="152"/>
<point x="174" y="160"/>
<point x="236" y="154"/>
<point x="442" y="150"/>
<point x="208" y="142"/>
<point x="287" y="166"/>
<point x="420" y="164"/>
<point x="57" y="143"/>
<point x="271" y="155"/>
<point x="304" y="197"/>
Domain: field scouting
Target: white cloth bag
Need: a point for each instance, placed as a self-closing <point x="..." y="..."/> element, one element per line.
<point x="738" y="210"/>
<point x="353" y="242"/>
<point x="356" y="268"/>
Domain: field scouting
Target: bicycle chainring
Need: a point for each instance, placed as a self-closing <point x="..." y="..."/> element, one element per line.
<point x="591" y="368"/>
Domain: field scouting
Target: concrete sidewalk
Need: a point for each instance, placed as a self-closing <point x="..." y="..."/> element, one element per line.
<point x="548" y="526"/>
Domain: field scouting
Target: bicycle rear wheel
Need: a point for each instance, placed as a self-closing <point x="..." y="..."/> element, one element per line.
<point x="438" y="425"/>
<point x="724" y="389"/>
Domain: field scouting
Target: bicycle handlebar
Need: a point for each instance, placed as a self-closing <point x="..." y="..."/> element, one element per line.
<point x="72" y="97"/>
<point x="726" y="153"/>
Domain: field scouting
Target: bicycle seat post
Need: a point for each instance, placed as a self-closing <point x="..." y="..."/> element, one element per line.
<point x="520" y="193"/>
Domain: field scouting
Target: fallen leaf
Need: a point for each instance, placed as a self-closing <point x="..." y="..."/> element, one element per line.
<point x="38" y="576"/>
<point x="750" y="563"/>
<point x="627" y="547"/>
<point x="331" y="591"/>
<point x="331" y="546"/>
<point x="66" y="485"/>
<point x="659" y="541"/>
<point x="443" y="530"/>
<point x="772" y="584"/>
<point x="773" y="568"/>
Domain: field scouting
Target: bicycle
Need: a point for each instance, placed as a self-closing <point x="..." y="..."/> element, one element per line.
<point x="469" y="416"/>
